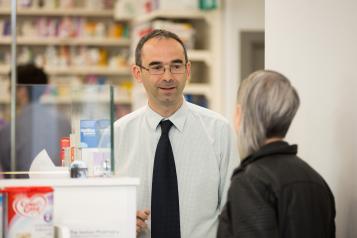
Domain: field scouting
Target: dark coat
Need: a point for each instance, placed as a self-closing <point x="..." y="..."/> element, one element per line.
<point x="274" y="193"/>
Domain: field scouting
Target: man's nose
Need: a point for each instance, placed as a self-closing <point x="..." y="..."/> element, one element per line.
<point x="167" y="73"/>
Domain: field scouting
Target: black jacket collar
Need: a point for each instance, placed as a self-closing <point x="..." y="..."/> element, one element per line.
<point x="274" y="148"/>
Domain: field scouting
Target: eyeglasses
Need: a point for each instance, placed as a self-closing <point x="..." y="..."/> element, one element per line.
<point x="158" y="69"/>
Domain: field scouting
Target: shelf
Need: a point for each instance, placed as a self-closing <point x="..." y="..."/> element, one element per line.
<point x="200" y="55"/>
<point x="122" y="14"/>
<point x="177" y="14"/>
<point x="68" y="100"/>
<point x="84" y="99"/>
<point x="4" y="69"/>
<point x="59" y="12"/>
<point x="67" y="41"/>
<point x="4" y="100"/>
<point x="198" y="89"/>
<point x="195" y="89"/>
<point x="86" y="70"/>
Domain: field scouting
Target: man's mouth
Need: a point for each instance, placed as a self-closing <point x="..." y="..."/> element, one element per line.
<point x="167" y="88"/>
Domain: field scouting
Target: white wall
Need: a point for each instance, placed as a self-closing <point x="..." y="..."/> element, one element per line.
<point x="238" y="15"/>
<point x="314" y="43"/>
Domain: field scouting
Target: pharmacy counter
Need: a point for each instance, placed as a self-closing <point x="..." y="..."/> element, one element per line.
<point x="90" y="207"/>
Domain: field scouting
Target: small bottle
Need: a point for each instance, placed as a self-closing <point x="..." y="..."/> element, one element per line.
<point x="79" y="169"/>
<point x="64" y="145"/>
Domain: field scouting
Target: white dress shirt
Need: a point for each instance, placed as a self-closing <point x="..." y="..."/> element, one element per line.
<point x="205" y="155"/>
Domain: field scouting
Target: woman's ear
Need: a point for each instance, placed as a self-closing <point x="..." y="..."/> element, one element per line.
<point x="238" y="115"/>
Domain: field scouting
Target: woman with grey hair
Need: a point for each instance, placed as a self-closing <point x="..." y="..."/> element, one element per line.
<point x="273" y="192"/>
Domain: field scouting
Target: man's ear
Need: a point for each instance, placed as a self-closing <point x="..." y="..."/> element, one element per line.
<point x="238" y="116"/>
<point x="22" y="96"/>
<point x="188" y="71"/>
<point x="136" y="72"/>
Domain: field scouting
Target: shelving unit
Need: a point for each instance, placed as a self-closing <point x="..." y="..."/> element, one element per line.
<point x="115" y="74"/>
<point x="64" y="41"/>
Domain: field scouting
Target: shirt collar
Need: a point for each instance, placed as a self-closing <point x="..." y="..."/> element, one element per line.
<point x="178" y="118"/>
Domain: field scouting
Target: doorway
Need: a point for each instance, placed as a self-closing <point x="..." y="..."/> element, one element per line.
<point x="252" y="52"/>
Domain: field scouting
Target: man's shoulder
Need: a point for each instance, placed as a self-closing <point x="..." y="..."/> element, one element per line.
<point x="206" y="114"/>
<point x="130" y="118"/>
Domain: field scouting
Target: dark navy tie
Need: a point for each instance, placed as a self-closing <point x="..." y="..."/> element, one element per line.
<point x="165" y="211"/>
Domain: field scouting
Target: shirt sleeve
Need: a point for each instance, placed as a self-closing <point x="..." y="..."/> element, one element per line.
<point x="228" y="162"/>
<point x="116" y="136"/>
<point x="249" y="211"/>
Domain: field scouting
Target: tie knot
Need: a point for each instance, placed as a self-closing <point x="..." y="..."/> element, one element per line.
<point x="165" y="126"/>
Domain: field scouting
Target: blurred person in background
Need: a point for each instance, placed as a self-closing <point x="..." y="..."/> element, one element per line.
<point x="273" y="192"/>
<point x="38" y="126"/>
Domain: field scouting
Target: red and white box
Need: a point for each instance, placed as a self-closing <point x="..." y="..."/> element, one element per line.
<point x="28" y="212"/>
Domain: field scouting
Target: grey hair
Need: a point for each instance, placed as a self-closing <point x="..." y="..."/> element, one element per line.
<point x="268" y="105"/>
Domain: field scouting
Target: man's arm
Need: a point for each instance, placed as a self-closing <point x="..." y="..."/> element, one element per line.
<point x="229" y="161"/>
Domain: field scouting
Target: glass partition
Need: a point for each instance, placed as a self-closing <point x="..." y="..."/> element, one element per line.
<point x="60" y="126"/>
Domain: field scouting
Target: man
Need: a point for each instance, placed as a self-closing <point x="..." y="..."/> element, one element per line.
<point x="37" y="126"/>
<point x="183" y="197"/>
<point x="273" y="192"/>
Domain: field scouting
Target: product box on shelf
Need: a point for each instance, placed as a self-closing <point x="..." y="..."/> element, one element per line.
<point x="95" y="146"/>
<point x="91" y="132"/>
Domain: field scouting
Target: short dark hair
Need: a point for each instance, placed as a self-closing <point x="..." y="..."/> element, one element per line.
<point x="158" y="33"/>
<point x="30" y="74"/>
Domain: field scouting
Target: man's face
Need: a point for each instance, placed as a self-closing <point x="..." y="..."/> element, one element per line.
<point x="22" y="97"/>
<point x="163" y="90"/>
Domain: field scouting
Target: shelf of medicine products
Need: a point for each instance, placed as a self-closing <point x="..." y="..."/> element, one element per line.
<point x="69" y="100"/>
<point x="191" y="88"/>
<point x="79" y="99"/>
<point x="87" y="70"/>
<point x="194" y="55"/>
<point x="60" y="12"/>
<point x="6" y="40"/>
<point x="177" y="14"/>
